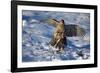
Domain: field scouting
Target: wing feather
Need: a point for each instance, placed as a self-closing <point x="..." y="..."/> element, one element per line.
<point x="53" y="22"/>
<point x="74" y="30"/>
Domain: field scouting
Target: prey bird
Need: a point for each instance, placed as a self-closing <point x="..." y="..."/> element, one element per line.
<point x="62" y="31"/>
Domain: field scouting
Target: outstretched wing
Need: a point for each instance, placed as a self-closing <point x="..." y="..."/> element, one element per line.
<point x="53" y="22"/>
<point x="74" y="30"/>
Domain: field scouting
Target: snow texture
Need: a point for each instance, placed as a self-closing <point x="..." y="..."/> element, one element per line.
<point x="37" y="33"/>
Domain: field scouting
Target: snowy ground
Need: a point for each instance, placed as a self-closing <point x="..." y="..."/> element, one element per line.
<point x="37" y="34"/>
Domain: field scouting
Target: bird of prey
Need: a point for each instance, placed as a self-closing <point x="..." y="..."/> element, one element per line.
<point x="63" y="31"/>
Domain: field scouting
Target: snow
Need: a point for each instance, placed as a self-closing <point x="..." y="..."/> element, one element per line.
<point x="36" y="35"/>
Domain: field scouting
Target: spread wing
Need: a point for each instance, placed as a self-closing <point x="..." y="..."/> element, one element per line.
<point x="53" y="22"/>
<point x="74" y="30"/>
<point x="70" y="30"/>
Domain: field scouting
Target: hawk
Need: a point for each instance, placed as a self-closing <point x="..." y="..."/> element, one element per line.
<point x="62" y="31"/>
